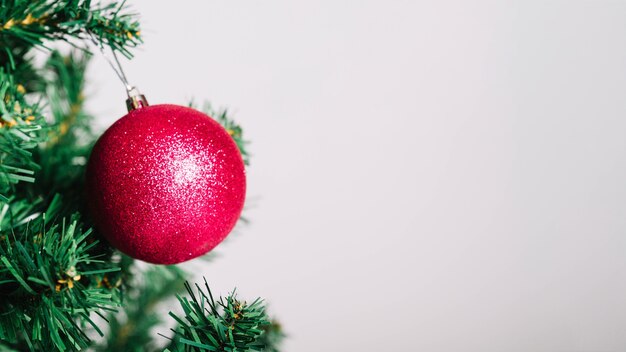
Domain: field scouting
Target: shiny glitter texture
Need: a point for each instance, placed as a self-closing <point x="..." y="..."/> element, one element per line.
<point x="165" y="184"/>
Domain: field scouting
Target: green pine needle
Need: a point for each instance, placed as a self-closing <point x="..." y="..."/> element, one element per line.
<point x="50" y="280"/>
<point x="227" y="324"/>
<point x="20" y="132"/>
<point x="25" y="23"/>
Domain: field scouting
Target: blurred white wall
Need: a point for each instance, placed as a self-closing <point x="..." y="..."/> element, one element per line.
<point x="427" y="175"/>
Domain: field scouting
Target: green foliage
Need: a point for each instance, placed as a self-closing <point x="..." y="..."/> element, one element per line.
<point x="54" y="272"/>
<point x="25" y="23"/>
<point x="50" y="279"/>
<point x="132" y="329"/>
<point x="69" y="136"/>
<point x="272" y="337"/>
<point x="20" y="131"/>
<point x="60" y="284"/>
<point x="227" y="324"/>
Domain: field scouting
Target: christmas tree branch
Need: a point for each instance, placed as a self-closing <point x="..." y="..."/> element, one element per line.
<point x="50" y="291"/>
<point x="20" y="131"/>
<point x="25" y="23"/>
<point x="55" y="274"/>
<point x="227" y="324"/>
<point x="69" y="135"/>
<point x="50" y="279"/>
<point x="272" y="337"/>
<point x="132" y="329"/>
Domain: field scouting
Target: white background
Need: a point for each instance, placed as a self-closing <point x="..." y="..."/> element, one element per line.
<point x="427" y="175"/>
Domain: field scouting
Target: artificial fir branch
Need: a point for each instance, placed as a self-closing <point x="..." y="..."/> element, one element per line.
<point x="49" y="292"/>
<point x="272" y="337"/>
<point x="69" y="135"/>
<point x="227" y="324"/>
<point x="55" y="273"/>
<point x="20" y="131"/>
<point x="132" y="329"/>
<point x="49" y="280"/>
<point x="25" y="23"/>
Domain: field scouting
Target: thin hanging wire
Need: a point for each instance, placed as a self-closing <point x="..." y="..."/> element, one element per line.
<point x="117" y="67"/>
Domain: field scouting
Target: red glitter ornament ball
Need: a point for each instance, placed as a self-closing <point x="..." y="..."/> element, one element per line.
<point x="165" y="184"/>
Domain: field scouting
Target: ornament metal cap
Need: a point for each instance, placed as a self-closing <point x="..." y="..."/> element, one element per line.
<point x="135" y="100"/>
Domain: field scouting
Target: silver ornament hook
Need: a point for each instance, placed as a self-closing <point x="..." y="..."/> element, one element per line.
<point x="135" y="99"/>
